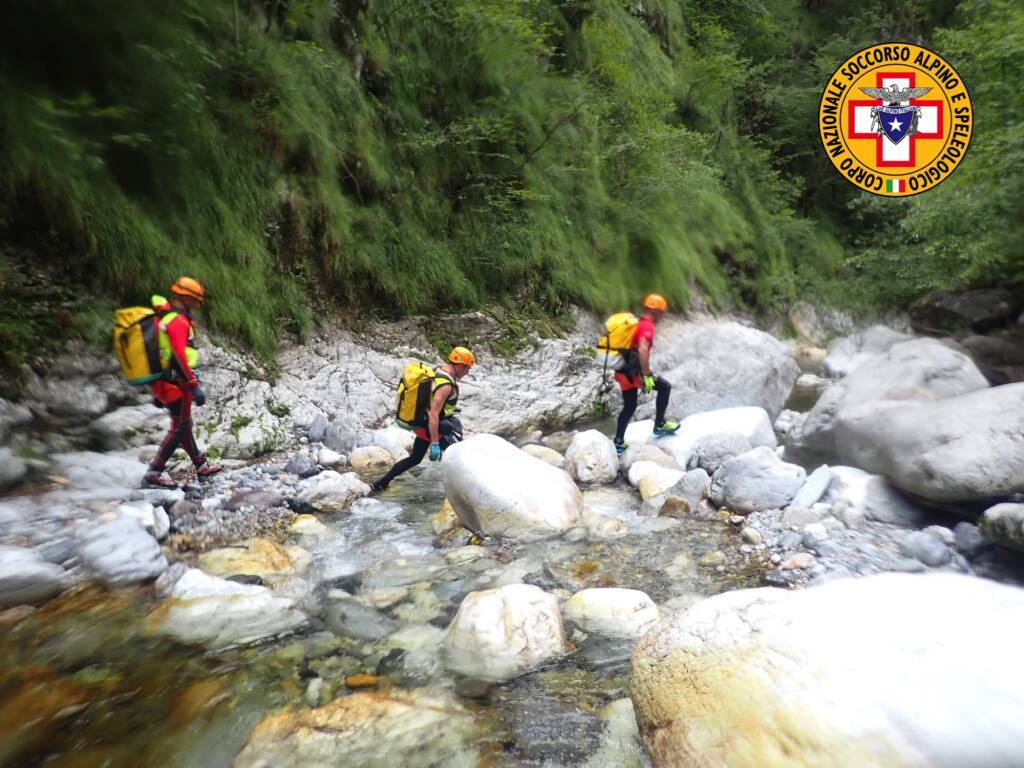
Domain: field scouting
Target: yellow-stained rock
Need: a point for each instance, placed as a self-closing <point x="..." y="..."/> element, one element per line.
<point x="445" y="520"/>
<point x="367" y="728"/>
<point x="308" y="525"/>
<point x="270" y="561"/>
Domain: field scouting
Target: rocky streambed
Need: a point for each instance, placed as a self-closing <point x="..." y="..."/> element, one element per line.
<point x="279" y="616"/>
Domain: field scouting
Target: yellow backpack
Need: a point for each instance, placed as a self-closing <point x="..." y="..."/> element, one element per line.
<point x="615" y="345"/>
<point x="137" y="344"/>
<point x="413" y="395"/>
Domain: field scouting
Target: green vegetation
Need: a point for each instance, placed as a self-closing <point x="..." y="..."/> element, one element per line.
<point x="304" y="157"/>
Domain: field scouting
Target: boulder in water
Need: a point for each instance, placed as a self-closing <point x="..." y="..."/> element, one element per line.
<point x="755" y="480"/>
<point x="649" y="453"/>
<point x="376" y="729"/>
<point x="496" y="488"/>
<point x="330" y="491"/>
<point x="612" y="612"/>
<point x="26" y="578"/>
<point x="218" y="613"/>
<point x="271" y="561"/>
<point x="366" y="456"/>
<point x="499" y="634"/>
<point x="591" y="458"/>
<point x="848" y="674"/>
<point x="752" y="423"/>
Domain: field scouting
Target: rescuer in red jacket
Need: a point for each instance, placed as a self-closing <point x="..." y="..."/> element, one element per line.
<point x="181" y="388"/>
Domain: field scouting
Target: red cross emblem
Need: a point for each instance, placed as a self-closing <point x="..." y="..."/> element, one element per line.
<point x="888" y="154"/>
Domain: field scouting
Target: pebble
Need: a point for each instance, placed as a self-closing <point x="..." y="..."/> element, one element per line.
<point x="799" y="561"/>
<point x="751" y="535"/>
<point x="715" y="557"/>
<point x="737" y="519"/>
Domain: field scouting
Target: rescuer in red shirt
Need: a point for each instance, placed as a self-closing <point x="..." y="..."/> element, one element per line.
<point x="636" y="375"/>
<point x="181" y="388"/>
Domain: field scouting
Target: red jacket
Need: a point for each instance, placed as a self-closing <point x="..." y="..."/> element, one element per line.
<point x="179" y="330"/>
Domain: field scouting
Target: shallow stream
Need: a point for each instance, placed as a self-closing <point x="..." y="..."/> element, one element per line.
<point x="82" y="684"/>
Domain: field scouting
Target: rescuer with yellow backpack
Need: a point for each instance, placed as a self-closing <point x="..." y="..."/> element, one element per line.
<point x="426" y="403"/>
<point x="156" y="346"/>
<point x="626" y="348"/>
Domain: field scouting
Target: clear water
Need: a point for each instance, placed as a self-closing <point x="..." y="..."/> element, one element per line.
<point x="82" y="685"/>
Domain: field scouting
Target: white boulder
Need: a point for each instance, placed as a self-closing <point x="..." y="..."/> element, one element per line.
<point x="756" y="480"/>
<point x="711" y="451"/>
<point x="120" y="552"/>
<point x="591" y="458"/>
<point x="921" y="369"/>
<point x="848" y="674"/>
<point x="816" y="486"/>
<point x="612" y="612"/>
<point x="848" y="353"/>
<point x="153" y="519"/>
<point x="27" y="579"/>
<point x="218" y="613"/>
<point x="961" y="448"/>
<point x="750" y="422"/>
<point x="395" y="440"/>
<point x="496" y="488"/>
<point x="499" y="634"/>
<point x="331" y="491"/>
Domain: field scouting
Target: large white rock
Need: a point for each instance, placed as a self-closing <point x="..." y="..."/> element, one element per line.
<point x="499" y="634"/>
<point x="591" y="458"/>
<point x="612" y="612"/>
<point x="120" y="552"/>
<point x="331" y="491"/>
<point x="961" y="448"/>
<point x="921" y="369"/>
<point x="721" y="364"/>
<point x="27" y="579"/>
<point x="1004" y="524"/>
<point x="272" y="562"/>
<point x="711" y="451"/>
<point x="755" y="480"/>
<point x="218" y="613"/>
<point x="856" y="673"/>
<point x="870" y="496"/>
<point x="496" y="488"/>
<point x="418" y="727"/>
<point x="850" y="352"/>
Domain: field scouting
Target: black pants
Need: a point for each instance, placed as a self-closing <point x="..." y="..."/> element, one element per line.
<point x="448" y="430"/>
<point x="629" y="398"/>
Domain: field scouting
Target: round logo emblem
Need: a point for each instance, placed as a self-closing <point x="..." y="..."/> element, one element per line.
<point x="895" y="119"/>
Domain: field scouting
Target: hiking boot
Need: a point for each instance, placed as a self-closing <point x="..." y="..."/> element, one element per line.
<point x="621" y="447"/>
<point x="206" y="470"/>
<point x="665" y="428"/>
<point x="378" y="486"/>
<point x="154" y="479"/>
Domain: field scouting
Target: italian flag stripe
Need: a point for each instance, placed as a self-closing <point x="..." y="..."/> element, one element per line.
<point x="895" y="185"/>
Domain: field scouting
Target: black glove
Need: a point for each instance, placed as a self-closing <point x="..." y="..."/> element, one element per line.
<point x="198" y="396"/>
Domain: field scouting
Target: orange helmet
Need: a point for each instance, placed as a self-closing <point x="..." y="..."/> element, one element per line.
<point x="656" y="302"/>
<point x="461" y="356"/>
<point x="186" y="286"/>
